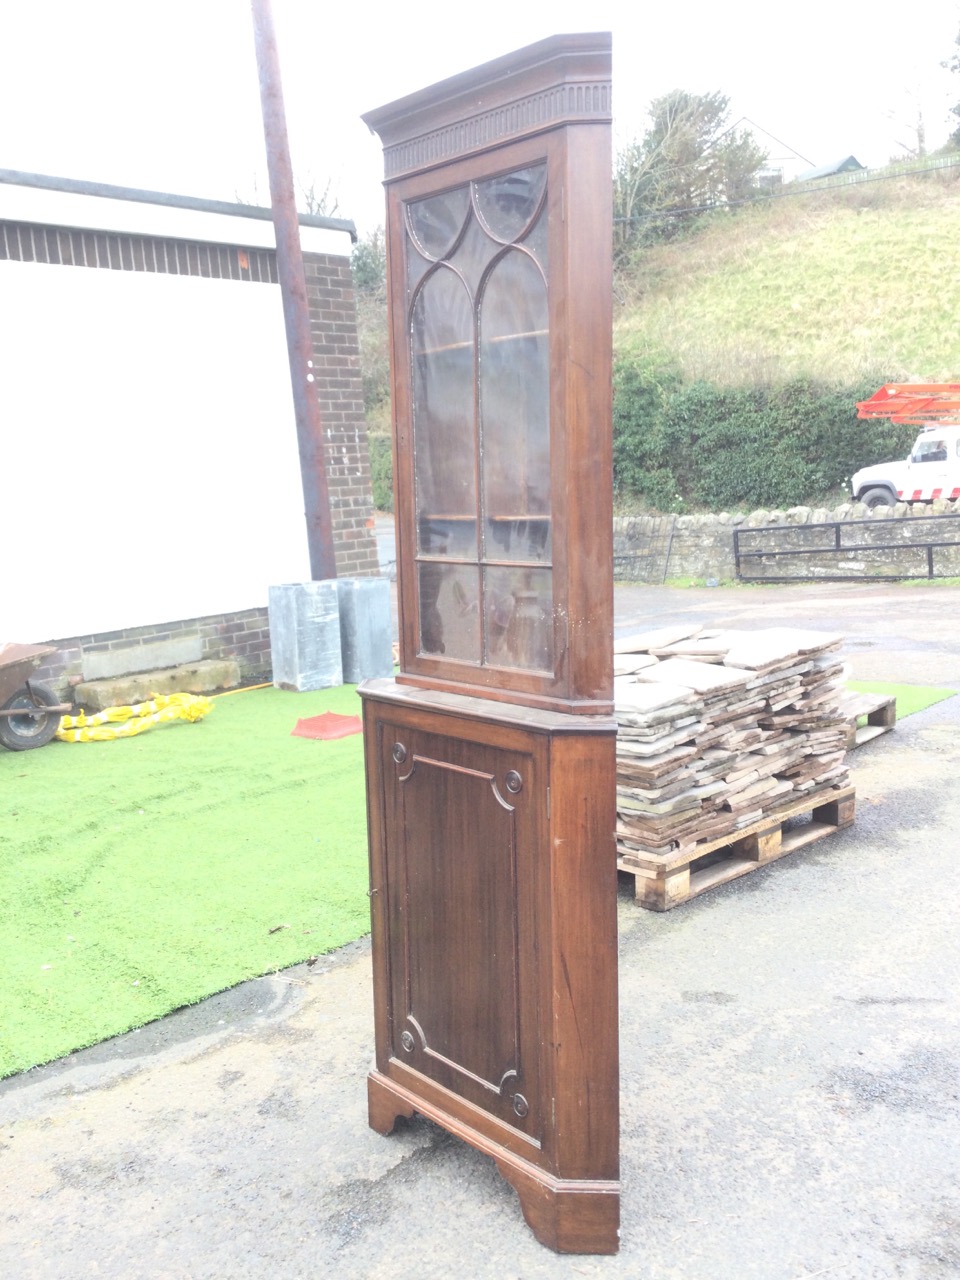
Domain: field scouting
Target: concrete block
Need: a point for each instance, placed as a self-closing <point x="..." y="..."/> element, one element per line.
<point x="154" y="656"/>
<point x="124" y="691"/>
<point x="305" y="635"/>
<point x="366" y="642"/>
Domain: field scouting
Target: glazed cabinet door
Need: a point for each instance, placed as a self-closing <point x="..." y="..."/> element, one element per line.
<point x="477" y="314"/>
<point x="461" y="830"/>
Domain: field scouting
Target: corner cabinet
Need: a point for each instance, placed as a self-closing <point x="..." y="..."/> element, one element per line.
<point x="491" y="757"/>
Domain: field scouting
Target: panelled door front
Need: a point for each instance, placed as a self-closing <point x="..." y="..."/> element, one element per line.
<point x="461" y="868"/>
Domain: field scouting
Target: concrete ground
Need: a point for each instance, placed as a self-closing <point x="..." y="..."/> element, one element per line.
<point x="790" y="1049"/>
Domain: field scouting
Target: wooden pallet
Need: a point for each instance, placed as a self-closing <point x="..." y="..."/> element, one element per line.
<point x="664" y="881"/>
<point x="880" y="710"/>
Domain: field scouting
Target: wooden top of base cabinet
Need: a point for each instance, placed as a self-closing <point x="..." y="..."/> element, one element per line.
<point x="499" y="227"/>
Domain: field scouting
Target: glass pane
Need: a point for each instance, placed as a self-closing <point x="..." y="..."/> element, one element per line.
<point x="450" y="611"/>
<point x="509" y="539"/>
<point x="417" y="266"/>
<point x="515" y="410"/>
<point x="437" y="222"/>
<point x="443" y="407"/>
<point x="518" y="609"/>
<point x="474" y="253"/>
<point x="507" y="204"/>
<point x="536" y="240"/>
<point x="454" y="536"/>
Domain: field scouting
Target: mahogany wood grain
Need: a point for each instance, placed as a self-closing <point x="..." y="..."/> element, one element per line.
<point x="491" y="759"/>
<point x="493" y="891"/>
<point x="576" y="151"/>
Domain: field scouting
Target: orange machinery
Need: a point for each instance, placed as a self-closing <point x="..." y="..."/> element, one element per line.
<point x="919" y="402"/>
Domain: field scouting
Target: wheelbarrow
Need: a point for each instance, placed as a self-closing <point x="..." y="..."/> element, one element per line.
<point x="29" y="710"/>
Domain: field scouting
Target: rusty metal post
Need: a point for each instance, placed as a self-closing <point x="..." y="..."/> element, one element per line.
<point x="293" y="290"/>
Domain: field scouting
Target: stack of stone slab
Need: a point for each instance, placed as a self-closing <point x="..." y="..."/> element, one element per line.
<point x="717" y="729"/>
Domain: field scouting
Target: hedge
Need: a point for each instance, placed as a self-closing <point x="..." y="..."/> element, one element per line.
<point x="381" y="471"/>
<point x="680" y="445"/>
<point x="692" y="445"/>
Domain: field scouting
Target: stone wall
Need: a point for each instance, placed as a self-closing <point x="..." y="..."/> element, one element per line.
<point x="655" y="548"/>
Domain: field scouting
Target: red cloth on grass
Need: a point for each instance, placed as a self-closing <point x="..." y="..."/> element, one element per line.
<point x="326" y="726"/>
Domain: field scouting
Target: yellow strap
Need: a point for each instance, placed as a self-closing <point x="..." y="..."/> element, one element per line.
<point x="127" y="722"/>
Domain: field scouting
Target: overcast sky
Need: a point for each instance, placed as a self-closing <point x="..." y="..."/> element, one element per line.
<point x="165" y="95"/>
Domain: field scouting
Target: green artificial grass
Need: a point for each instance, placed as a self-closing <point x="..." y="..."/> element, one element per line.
<point x="140" y="875"/>
<point x="910" y="697"/>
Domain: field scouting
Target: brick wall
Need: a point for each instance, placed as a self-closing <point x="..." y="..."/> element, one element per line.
<point x="244" y="637"/>
<point x="336" y="359"/>
<point x="68" y="247"/>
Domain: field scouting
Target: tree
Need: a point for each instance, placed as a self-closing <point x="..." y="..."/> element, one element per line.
<point x="322" y="203"/>
<point x="953" y="64"/>
<point x="369" y="262"/>
<point x="630" y="186"/>
<point x="689" y="160"/>
<point x="310" y="198"/>
<point x="916" y="129"/>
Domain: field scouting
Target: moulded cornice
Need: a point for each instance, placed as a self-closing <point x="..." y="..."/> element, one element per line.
<point x="562" y="80"/>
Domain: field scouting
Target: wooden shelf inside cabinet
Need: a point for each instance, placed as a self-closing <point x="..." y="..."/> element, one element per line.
<point x="519" y="518"/>
<point x="494" y="341"/>
<point x="491" y="759"/>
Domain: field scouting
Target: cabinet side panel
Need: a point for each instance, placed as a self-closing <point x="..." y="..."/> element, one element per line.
<point x="583" y="891"/>
<point x="586" y="295"/>
<point x="379" y="885"/>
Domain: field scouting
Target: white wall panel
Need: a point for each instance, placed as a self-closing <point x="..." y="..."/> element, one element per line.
<point x="148" y="457"/>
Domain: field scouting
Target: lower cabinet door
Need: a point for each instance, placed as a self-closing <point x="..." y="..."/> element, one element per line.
<point x="462" y="823"/>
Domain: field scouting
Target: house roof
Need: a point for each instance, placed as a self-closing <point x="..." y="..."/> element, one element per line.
<point x="846" y="165"/>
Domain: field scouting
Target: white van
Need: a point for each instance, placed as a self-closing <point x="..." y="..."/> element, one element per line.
<point x="932" y="471"/>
